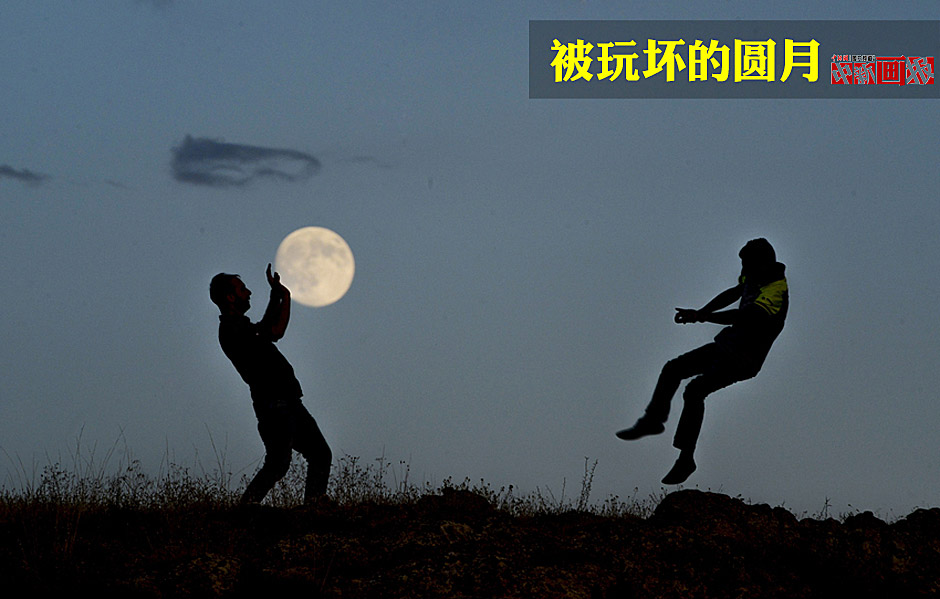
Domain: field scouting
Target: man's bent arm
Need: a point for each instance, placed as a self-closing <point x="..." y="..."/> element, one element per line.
<point x="722" y="300"/>
<point x="281" y="312"/>
<point x="724" y="317"/>
<point x="277" y="314"/>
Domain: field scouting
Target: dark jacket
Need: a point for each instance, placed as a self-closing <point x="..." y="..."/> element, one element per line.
<point x="763" y="310"/>
<point x="251" y="349"/>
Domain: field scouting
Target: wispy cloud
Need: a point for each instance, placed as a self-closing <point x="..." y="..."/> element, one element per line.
<point x="203" y="161"/>
<point x="117" y="184"/>
<point x="367" y="160"/>
<point x="24" y="175"/>
<point x="156" y="3"/>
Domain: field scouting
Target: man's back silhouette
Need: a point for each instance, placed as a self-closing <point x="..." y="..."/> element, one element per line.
<point x="283" y="422"/>
<point x="736" y="354"/>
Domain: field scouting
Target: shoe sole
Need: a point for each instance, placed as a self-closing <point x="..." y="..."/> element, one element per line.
<point x="627" y="435"/>
<point x="678" y="478"/>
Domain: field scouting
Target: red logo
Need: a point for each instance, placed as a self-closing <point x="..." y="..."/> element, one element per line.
<point x="864" y="69"/>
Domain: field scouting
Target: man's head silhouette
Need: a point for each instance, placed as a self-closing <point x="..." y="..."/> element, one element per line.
<point x="757" y="255"/>
<point x="229" y="293"/>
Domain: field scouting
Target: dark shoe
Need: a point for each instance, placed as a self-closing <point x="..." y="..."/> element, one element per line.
<point x="681" y="471"/>
<point x="642" y="428"/>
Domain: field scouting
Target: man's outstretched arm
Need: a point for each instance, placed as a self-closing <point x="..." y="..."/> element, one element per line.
<point x="277" y="314"/>
<point x="723" y="317"/>
<point x="708" y="312"/>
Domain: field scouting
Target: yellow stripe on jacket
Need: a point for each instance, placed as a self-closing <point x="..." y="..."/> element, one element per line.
<point x="772" y="296"/>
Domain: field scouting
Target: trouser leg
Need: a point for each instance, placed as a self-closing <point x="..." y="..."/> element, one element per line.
<point x="720" y="374"/>
<point x="673" y="373"/>
<point x="310" y="443"/>
<point x="691" y="418"/>
<point x="276" y="434"/>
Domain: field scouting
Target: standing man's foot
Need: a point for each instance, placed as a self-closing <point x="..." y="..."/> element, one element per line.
<point x="681" y="470"/>
<point x="642" y="428"/>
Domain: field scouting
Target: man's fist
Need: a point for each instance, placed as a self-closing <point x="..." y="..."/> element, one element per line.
<point x="686" y="315"/>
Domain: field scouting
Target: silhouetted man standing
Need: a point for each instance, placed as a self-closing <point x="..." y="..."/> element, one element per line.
<point x="736" y="354"/>
<point x="283" y="422"/>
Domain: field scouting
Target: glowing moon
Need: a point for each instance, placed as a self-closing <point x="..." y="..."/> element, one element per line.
<point x="316" y="265"/>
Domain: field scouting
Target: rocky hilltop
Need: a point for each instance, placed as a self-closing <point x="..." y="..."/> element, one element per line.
<point x="457" y="544"/>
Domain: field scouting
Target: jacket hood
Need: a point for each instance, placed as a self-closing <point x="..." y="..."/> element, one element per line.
<point x="775" y="272"/>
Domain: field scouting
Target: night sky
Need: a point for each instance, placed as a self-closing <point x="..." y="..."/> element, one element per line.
<point x="518" y="261"/>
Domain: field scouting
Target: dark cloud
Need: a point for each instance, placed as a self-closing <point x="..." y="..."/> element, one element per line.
<point x="24" y="175"/>
<point x="203" y="161"/>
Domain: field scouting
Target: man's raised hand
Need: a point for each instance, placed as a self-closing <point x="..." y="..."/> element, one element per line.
<point x="274" y="280"/>
<point x="686" y="315"/>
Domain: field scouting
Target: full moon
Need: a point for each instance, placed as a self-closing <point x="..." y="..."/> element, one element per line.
<point x="316" y="265"/>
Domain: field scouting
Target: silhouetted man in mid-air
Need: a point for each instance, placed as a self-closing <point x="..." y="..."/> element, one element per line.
<point x="736" y="354"/>
<point x="283" y="422"/>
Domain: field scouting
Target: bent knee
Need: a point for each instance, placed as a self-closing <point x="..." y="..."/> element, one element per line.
<point x="671" y="369"/>
<point x="277" y="466"/>
<point x="321" y="455"/>
<point x="695" y="391"/>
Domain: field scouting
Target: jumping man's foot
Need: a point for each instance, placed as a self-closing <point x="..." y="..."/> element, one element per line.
<point x="642" y="428"/>
<point x="681" y="471"/>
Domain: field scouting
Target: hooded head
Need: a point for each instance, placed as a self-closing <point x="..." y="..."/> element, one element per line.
<point x="757" y="255"/>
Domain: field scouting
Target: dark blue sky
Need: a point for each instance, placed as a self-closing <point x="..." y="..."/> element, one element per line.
<point x="517" y="261"/>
